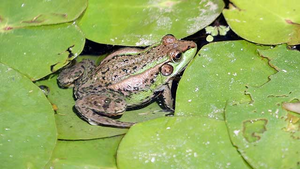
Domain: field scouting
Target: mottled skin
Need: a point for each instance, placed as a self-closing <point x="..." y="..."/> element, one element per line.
<point x="127" y="78"/>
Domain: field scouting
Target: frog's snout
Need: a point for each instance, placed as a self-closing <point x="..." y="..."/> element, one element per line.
<point x="191" y="45"/>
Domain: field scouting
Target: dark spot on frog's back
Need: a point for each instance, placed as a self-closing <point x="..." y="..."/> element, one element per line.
<point x="95" y="103"/>
<point x="118" y="100"/>
<point x="105" y="71"/>
<point x="106" y="104"/>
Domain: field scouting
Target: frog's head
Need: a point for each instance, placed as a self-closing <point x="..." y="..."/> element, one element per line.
<point x="180" y="54"/>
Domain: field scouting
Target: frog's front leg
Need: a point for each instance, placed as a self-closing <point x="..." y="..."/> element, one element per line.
<point x="167" y="96"/>
<point x="98" y="109"/>
<point x="78" y="73"/>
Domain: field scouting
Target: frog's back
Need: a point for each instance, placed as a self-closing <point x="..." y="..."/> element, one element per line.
<point x="122" y="66"/>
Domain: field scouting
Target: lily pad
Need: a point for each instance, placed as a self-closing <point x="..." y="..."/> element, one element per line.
<point x="72" y="127"/>
<point x="16" y="13"/>
<point x="27" y="126"/>
<point x="45" y="48"/>
<point x="88" y="154"/>
<point x="262" y="126"/>
<point x="220" y="72"/>
<point x="143" y="22"/>
<point x="178" y="142"/>
<point x="265" y="22"/>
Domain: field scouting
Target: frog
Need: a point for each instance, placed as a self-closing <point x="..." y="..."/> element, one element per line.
<point x="125" y="79"/>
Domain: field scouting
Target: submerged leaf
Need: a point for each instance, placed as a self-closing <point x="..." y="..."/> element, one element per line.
<point x="71" y="127"/>
<point x="91" y="154"/>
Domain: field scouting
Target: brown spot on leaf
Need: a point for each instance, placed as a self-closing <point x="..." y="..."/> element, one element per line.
<point x="288" y="21"/>
<point x="293" y="126"/>
<point x="55" y="108"/>
<point x="63" y="15"/>
<point x="34" y="20"/>
<point x="7" y="28"/>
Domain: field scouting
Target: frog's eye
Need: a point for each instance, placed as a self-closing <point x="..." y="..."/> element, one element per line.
<point x="168" y="39"/>
<point x="166" y="69"/>
<point x="175" y="55"/>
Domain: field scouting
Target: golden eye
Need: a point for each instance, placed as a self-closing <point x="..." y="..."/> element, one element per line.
<point x="166" y="69"/>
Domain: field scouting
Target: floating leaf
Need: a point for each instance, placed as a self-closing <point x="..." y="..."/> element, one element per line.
<point x="178" y="142"/>
<point x="263" y="127"/>
<point x="220" y="72"/>
<point x="265" y="22"/>
<point x="15" y="13"/>
<point x="92" y="154"/>
<point x="141" y="22"/>
<point x="27" y="126"/>
<point x="45" y="48"/>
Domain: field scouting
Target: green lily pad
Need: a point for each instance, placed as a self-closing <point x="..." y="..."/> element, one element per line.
<point x="27" y="126"/>
<point x="71" y="127"/>
<point x="16" y="14"/>
<point x="220" y="72"/>
<point x="141" y="22"/>
<point x="178" y="142"/>
<point x="88" y="154"/>
<point x="39" y="51"/>
<point x="267" y="135"/>
<point x="265" y="22"/>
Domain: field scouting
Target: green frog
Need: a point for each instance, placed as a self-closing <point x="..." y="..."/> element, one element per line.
<point x="125" y="79"/>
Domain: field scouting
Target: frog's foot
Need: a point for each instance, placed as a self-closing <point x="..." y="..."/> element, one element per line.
<point x="98" y="109"/>
<point x="78" y="71"/>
